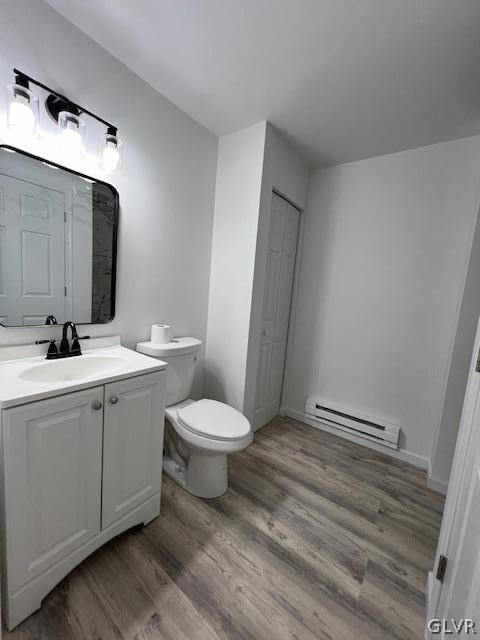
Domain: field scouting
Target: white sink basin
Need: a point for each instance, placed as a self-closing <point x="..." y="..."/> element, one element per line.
<point x="76" y="368"/>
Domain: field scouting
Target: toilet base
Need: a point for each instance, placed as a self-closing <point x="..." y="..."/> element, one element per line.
<point x="206" y="476"/>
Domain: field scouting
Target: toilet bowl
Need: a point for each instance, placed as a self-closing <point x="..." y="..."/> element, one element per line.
<point x="199" y="434"/>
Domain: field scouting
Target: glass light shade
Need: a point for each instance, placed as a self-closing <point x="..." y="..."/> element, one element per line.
<point x="72" y="136"/>
<point x="22" y="111"/>
<point x="111" y="154"/>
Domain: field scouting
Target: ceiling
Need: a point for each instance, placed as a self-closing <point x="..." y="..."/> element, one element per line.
<point x="342" y="79"/>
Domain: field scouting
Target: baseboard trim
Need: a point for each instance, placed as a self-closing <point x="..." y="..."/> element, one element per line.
<point x="437" y="485"/>
<point x="400" y="454"/>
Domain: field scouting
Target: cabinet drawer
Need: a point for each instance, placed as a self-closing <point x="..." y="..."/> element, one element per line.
<point x="132" y="443"/>
<point x="52" y="466"/>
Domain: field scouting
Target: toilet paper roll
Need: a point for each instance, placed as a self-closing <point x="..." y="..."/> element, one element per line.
<point x="160" y="333"/>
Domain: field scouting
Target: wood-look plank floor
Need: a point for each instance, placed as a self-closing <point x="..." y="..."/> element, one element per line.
<point x="316" y="538"/>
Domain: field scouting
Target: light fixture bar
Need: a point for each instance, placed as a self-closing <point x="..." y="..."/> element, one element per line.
<point x="21" y="77"/>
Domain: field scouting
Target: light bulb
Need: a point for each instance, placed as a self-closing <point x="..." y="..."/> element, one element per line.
<point x="22" y="112"/>
<point x="111" y="152"/>
<point x="110" y="157"/>
<point x="71" y="136"/>
<point x="21" y="117"/>
<point x="71" y="142"/>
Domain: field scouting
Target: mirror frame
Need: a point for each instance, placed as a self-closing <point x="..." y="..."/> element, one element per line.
<point x="116" y="215"/>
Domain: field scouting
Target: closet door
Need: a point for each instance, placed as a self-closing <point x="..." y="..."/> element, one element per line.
<point x="282" y="247"/>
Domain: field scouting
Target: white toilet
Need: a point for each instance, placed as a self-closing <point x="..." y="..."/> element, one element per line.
<point x="199" y="434"/>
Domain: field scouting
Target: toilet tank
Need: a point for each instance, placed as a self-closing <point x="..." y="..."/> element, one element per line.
<point x="180" y="354"/>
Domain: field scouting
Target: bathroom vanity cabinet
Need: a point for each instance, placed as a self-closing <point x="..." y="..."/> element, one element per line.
<point x="78" y="469"/>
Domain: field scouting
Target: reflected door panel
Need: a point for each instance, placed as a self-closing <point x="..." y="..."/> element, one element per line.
<point x="32" y="252"/>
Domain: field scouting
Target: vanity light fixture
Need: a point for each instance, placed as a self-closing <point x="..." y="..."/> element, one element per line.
<point x="23" y="115"/>
<point x="22" y="108"/>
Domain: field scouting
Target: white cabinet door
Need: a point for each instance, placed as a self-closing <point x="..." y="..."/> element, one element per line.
<point x="52" y="465"/>
<point x="132" y="443"/>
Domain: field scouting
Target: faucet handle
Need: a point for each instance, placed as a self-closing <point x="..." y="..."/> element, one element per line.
<point x="52" y="348"/>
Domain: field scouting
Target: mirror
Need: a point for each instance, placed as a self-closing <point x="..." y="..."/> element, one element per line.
<point x="58" y="240"/>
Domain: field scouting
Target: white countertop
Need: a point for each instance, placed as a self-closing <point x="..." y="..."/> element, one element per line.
<point x="14" y="390"/>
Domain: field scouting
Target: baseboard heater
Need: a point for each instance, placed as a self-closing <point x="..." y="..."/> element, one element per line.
<point x="354" y="423"/>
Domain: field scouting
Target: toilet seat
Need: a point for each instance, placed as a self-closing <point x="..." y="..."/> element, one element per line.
<point x="214" y="420"/>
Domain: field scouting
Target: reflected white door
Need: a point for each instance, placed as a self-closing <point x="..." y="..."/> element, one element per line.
<point x="32" y="252"/>
<point x="459" y="596"/>
<point x="282" y="248"/>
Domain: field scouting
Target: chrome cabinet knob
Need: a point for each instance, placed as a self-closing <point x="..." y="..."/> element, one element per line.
<point x="97" y="405"/>
<point x="114" y="400"/>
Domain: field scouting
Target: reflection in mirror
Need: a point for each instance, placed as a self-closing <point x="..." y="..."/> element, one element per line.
<point x="57" y="244"/>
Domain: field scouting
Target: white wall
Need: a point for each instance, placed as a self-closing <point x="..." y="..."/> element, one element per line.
<point x="251" y="162"/>
<point x="166" y="187"/>
<point x="237" y="203"/>
<point x="286" y="172"/>
<point x="386" y="248"/>
<point x="445" y="441"/>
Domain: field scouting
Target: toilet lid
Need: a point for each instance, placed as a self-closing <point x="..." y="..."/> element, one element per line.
<point x="214" y="420"/>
